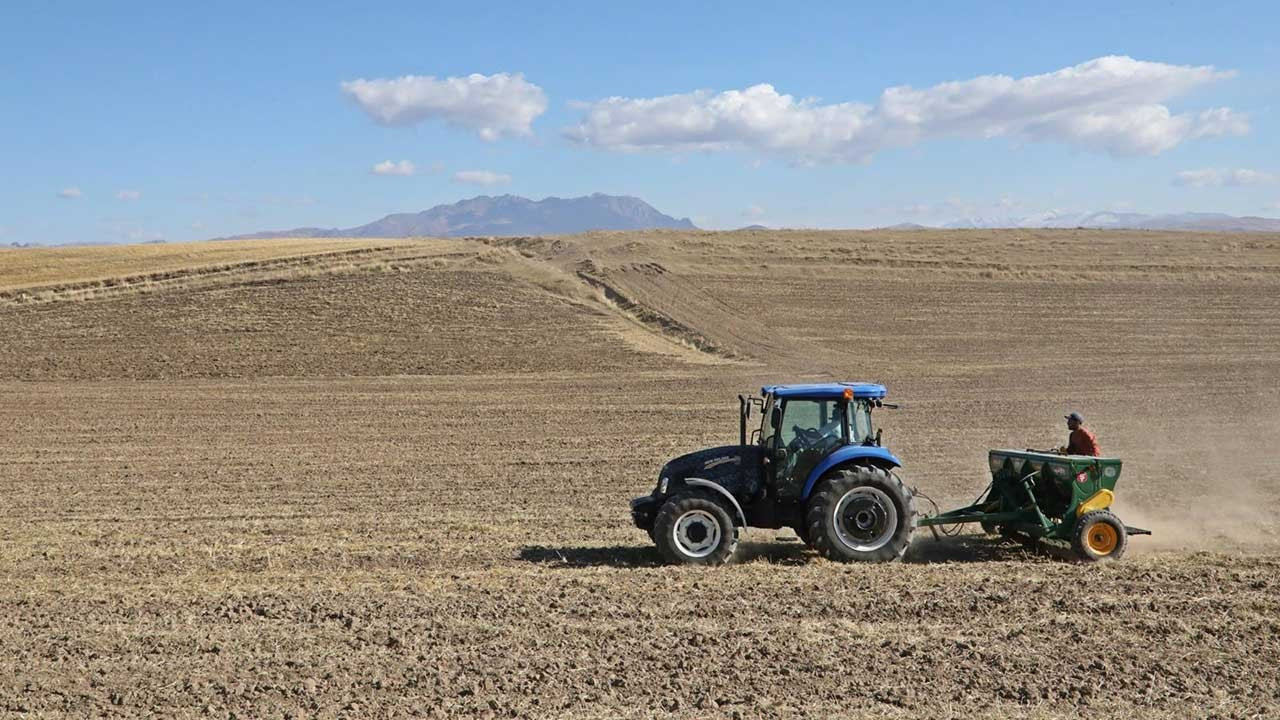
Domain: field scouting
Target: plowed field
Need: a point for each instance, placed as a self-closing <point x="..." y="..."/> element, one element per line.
<point x="390" y="479"/>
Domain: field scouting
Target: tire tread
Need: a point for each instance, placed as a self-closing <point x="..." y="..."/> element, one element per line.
<point x="1080" y="545"/>
<point x="676" y="506"/>
<point x="832" y="487"/>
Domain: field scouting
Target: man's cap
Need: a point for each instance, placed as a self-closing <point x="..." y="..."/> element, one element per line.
<point x="1076" y="416"/>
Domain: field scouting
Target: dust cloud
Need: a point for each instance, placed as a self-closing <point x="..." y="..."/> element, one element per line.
<point x="1218" y="487"/>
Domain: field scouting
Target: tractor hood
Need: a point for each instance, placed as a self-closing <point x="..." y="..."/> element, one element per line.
<point x="735" y="468"/>
<point x="716" y="461"/>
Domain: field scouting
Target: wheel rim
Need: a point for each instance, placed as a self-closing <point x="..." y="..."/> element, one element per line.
<point x="696" y="533"/>
<point x="1102" y="538"/>
<point x="865" y="519"/>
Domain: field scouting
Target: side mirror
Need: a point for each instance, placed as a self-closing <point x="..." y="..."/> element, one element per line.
<point x="775" y="418"/>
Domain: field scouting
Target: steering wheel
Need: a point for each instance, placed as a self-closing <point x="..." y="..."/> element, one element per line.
<point x="805" y="437"/>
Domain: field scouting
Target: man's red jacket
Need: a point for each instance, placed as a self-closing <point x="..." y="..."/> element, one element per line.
<point x="1082" y="442"/>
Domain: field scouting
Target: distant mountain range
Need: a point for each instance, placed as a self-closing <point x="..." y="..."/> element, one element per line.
<point x="1210" y="222"/>
<point x="505" y="215"/>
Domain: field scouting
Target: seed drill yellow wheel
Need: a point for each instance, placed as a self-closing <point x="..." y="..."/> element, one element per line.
<point x="1099" y="535"/>
<point x="1102" y="539"/>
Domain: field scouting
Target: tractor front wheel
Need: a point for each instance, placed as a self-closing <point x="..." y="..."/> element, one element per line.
<point x="695" y="530"/>
<point x="1099" y="535"/>
<point x="861" y="513"/>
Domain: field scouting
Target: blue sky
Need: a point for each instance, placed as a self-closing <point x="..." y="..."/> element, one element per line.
<point x="137" y="121"/>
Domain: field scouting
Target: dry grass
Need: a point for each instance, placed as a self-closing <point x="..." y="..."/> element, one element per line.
<point x="39" y="267"/>
<point x="255" y="265"/>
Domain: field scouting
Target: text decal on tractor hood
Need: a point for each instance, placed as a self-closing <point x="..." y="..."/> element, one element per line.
<point x="721" y="461"/>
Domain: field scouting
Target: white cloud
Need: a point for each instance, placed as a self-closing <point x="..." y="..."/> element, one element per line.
<point x="481" y="177"/>
<point x="387" y="167"/>
<point x="1242" y="176"/>
<point x="70" y="193"/>
<point x="753" y="211"/>
<point x="1217" y="177"/>
<point x="1273" y="206"/>
<point x="492" y="105"/>
<point x="1110" y="104"/>
<point x="128" y="195"/>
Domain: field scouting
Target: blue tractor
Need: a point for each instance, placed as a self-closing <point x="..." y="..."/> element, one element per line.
<point x="815" y="465"/>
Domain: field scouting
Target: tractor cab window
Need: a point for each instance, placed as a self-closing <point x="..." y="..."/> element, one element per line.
<point x="766" y="425"/>
<point x="812" y="424"/>
<point x="810" y="430"/>
<point x="860" y="430"/>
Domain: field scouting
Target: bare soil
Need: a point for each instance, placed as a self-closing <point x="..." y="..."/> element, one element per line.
<point x="395" y="485"/>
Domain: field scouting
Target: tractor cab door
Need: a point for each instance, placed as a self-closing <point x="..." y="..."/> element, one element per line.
<point x="806" y="431"/>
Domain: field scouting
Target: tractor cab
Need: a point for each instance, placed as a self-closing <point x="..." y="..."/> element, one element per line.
<point x="802" y="425"/>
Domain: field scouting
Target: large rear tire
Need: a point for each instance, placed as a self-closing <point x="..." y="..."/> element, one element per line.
<point x="861" y="513"/>
<point x="1099" y="535"/>
<point x="695" y="530"/>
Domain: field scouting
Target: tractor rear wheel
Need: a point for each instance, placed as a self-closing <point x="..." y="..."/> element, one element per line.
<point x="695" y="530"/>
<point x="861" y="513"/>
<point x="1099" y="535"/>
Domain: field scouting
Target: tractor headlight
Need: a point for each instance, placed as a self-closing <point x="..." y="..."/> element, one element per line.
<point x="662" y="485"/>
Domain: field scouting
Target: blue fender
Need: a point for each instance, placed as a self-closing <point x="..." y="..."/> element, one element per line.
<point x="844" y="455"/>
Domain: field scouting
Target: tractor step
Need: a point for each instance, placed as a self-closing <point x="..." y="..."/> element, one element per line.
<point x="1135" y="531"/>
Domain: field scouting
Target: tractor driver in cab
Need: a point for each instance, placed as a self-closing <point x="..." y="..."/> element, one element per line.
<point x="812" y="429"/>
<point x="1082" y="440"/>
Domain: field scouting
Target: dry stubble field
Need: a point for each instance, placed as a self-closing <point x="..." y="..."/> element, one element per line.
<point x="389" y="479"/>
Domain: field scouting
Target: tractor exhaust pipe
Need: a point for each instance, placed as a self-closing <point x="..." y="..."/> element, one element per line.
<point x="744" y="410"/>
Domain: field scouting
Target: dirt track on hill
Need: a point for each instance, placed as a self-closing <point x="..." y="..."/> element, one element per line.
<point x="399" y="489"/>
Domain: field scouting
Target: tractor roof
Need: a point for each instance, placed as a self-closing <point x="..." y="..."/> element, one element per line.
<point x="825" y="390"/>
